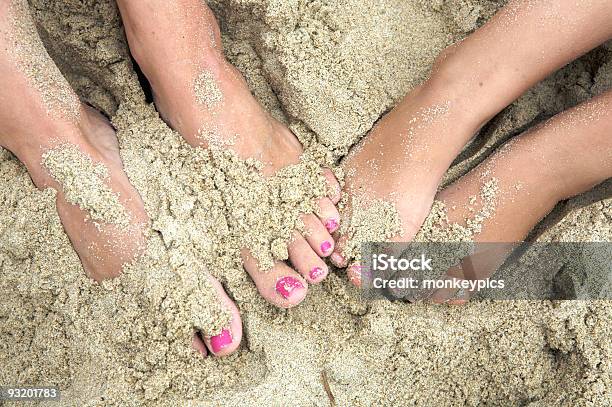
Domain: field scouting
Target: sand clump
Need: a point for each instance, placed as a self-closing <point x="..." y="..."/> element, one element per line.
<point x="211" y="200"/>
<point x="379" y="221"/>
<point x="368" y="221"/>
<point x="85" y="183"/>
<point x="330" y="70"/>
<point x="438" y="228"/>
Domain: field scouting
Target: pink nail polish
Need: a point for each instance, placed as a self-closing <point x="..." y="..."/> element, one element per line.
<point x="316" y="273"/>
<point x="286" y="285"/>
<point x="331" y="225"/>
<point x="221" y="341"/>
<point x="326" y="246"/>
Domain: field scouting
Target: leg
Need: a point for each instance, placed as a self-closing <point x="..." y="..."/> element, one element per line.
<point x="65" y="144"/>
<point x="177" y="44"/>
<point x="404" y="157"/>
<point x="565" y="156"/>
<point x="39" y="112"/>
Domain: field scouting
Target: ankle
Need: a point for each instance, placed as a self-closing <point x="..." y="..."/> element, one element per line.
<point x="30" y="146"/>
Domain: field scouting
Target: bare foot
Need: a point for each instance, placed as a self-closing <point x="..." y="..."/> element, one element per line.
<point x="406" y="154"/>
<point x="178" y="47"/>
<point x="561" y="158"/>
<point x="404" y="157"/>
<point x="40" y="116"/>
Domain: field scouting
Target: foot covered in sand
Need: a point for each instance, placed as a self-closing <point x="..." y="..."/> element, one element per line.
<point x="393" y="175"/>
<point x="203" y="97"/>
<point x="71" y="148"/>
<point x="392" y="181"/>
<point x="565" y="156"/>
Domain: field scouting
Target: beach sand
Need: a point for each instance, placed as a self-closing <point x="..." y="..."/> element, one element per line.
<point x="329" y="70"/>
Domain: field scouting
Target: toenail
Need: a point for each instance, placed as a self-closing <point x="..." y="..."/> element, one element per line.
<point x="316" y="273"/>
<point x="326" y="246"/>
<point x="331" y="225"/>
<point x="337" y="259"/>
<point x="287" y="285"/>
<point x="221" y="341"/>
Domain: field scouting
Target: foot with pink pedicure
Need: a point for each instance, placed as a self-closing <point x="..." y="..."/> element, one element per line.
<point x="173" y="43"/>
<point x="31" y="125"/>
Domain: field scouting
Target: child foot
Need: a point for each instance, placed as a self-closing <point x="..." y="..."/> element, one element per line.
<point x="203" y="97"/>
<point x="566" y="156"/>
<point x="404" y="157"/>
<point x="43" y="123"/>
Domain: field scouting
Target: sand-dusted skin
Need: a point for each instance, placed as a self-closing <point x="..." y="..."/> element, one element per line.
<point x="85" y="184"/>
<point x="30" y="55"/>
<point x="334" y="69"/>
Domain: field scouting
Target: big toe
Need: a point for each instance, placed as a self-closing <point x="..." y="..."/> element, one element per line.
<point x="228" y="340"/>
<point x="280" y="286"/>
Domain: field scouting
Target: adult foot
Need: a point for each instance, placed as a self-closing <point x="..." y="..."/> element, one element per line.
<point x="65" y="144"/>
<point x="202" y="96"/>
<point x="563" y="157"/>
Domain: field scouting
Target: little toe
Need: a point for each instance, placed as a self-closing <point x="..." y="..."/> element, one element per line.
<point x="334" y="186"/>
<point x="337" y="257"/>
<point x="328" y="215"/>
<point x="354" y="273"/>
<point x="198" y="344"/>
<point x="280" y="286"/>
<point x="317" y="236"/>
<point x="306" y="261"/>
<point x="228" y="340"/>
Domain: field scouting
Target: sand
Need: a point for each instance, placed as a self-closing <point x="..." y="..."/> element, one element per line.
<point x="330" y="70"/>
<point x="85" y="184"/>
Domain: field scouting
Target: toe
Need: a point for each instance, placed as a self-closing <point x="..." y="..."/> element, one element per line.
<point x="306" y="261"/>
<point x="228" y="340"/>
<point x="334" y="186"/>
<point x="328" y="215"/>
<point x="354" y="273"/>
<point x="451" y="296"/>
<point x="337" y="257"/>
<point x="280" y="286"/>
<point x="317" y="236"/>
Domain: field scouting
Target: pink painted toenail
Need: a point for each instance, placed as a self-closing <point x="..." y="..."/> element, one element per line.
<point x="287" y="285"/>
<point x="316" y="273"/>
<point x="221" y="341"/>
<point x="326" y="246"/>
<point x="331" y="225"/>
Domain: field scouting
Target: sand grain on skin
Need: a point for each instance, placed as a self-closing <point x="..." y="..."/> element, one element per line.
<point x="336" y="67"/>
<point x="85" y="183"/>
